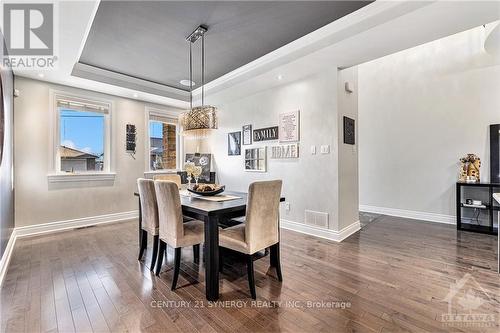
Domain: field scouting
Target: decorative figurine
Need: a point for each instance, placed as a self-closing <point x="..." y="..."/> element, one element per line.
<point x="469" y="168"/>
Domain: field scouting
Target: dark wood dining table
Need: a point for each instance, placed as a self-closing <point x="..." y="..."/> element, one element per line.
<point x="211" y="213"/>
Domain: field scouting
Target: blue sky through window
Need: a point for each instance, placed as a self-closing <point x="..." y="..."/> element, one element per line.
<point x="156" y="129"/>
<point x="82" y="130"/>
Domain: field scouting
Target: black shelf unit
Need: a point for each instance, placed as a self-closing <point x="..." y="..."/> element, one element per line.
<point x="491" y="207"/>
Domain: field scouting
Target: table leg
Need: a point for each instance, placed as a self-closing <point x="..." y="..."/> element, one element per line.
<point x="212" y="259"/>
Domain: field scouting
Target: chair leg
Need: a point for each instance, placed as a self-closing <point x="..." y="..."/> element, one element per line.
<point x="275" y="260"/>
<point x="143" y="244"/>
<point x="161" y="252"/>
<point x="155" y="252"/>
<point x="196" y="253"/>
<point x="177" y="266"/>
<point x="251" y="279"/>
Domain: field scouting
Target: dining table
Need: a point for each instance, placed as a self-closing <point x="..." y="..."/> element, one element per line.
<point x="211" y="213"/>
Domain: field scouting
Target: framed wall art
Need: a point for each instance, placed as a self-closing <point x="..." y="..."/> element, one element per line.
<point x="256" y="159"/>
<point x="289" y="126"/>
<point x="204" y="160"/>
<point x="265" y="134"/>
<point x="247" y="135"/>
<point x="234" y="143"/>
<point x="349" y="131"/>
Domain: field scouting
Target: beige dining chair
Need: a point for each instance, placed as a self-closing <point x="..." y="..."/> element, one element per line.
<point x="173" y="230"/>
<point x="173" y="177"/>
<point x="260" y="229"/>
<point x="149" y="215"/>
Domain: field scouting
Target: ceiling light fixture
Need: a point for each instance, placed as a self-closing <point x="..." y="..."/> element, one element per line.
<point x="187" y="83"/>
<point x="199" y="121"/>
<point x="136" y="95"/>
<point x="41" y="75"/>
<point x="280" y="77"/>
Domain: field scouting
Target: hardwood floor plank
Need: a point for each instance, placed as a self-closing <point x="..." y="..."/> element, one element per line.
<point x="394" y="275"/>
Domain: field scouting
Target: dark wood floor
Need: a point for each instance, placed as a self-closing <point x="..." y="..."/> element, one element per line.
<point x="394" y="274"/>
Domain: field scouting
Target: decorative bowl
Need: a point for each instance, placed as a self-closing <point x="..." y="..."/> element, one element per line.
<point x="218" y="189"/>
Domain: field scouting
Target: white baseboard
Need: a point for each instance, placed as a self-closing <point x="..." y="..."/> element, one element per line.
<point x="409" y="214"/>
<point x="336" y="236"/>
<point x="4" y="262"/>
<point x="45" y="228"/>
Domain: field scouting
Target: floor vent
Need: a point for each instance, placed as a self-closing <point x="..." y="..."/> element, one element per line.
<point x="319" y="219"/>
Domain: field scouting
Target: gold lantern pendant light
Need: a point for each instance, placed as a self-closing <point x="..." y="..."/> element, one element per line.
<point x="199" y="121"/>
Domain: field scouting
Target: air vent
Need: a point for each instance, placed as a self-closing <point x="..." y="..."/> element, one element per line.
<point x="319" y="219"/>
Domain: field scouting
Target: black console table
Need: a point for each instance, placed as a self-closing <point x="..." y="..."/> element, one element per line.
<point x="489" y="207"/>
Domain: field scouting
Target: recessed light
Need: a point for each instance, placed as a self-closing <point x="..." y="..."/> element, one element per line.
<point x="41" y="75"/>
<point x="280" y="77"/>
<point x="136" y="95"/>
<point x="187" y="83"/>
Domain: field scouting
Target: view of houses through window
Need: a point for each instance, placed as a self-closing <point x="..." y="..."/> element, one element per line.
<point x="163" y="145"/>
<point x="81" y="145"/>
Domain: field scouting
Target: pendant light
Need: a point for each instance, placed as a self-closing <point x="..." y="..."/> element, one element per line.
<point x="199" y="121"/>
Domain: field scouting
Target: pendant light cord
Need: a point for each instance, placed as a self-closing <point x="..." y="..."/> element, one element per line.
<point x="190" y="76"/>
<point x="203" y="70"/>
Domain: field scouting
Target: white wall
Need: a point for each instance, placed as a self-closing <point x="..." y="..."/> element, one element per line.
<point x="348" y="205"/>
<point x="37" y="201"/>
<point x="6" y="164"/>
<point x="420" y="110"/>
<point x="309" y="182"/>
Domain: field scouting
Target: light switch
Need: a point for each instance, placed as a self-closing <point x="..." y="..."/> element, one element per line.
<point x="313" y="150"/>
<point x="325" y="149"/>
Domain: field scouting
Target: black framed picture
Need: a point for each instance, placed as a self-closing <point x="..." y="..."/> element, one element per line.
<point x="247" y="134"/>
<point x="349" y="131"/>
<point x="234" y="143"/>
<point x="265" y="134"/>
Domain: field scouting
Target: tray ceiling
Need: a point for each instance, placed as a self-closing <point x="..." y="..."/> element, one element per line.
<point x="146" y="40"/>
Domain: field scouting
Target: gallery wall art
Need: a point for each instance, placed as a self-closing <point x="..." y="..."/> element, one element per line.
<point x="289" y="126"/>
<point x="265" y="134"/>
<point x="247" y="134"/>
<point x="256" y="159"/>
<point x="234" y="143"/>
<point x="285" y="151"/>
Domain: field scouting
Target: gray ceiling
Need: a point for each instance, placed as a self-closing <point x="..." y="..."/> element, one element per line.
<point x="146" y="40"/>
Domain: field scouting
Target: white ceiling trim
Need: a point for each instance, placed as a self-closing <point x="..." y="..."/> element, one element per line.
<point x="361" y="20"/>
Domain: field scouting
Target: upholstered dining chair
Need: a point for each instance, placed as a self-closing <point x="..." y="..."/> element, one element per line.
<point x="173" y="177"/>
<point x="260" y="229"/>
<point x="173" y="230"/>
<point x="149" y="212"/>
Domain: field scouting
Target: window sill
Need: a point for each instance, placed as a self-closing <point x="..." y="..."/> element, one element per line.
<point x="81" y="177"/>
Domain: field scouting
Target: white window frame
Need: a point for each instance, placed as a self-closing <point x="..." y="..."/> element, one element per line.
<point x="55" y="174"/>
<point x="179" y="143"/>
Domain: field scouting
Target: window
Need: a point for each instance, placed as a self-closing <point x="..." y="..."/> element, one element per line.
<point x="81" y="136"/>
<point x="81" y="145"/>
<point x="163" y="143"/>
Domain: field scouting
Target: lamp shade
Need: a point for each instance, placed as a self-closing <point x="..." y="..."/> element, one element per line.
<point x="198" y="122"/>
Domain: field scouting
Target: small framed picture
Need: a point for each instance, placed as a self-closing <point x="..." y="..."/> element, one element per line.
<point x="256" y="159"/>
<point x="234" y="143"/>
<point x="349" y="131"/>
<point x="247" y="134"/>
